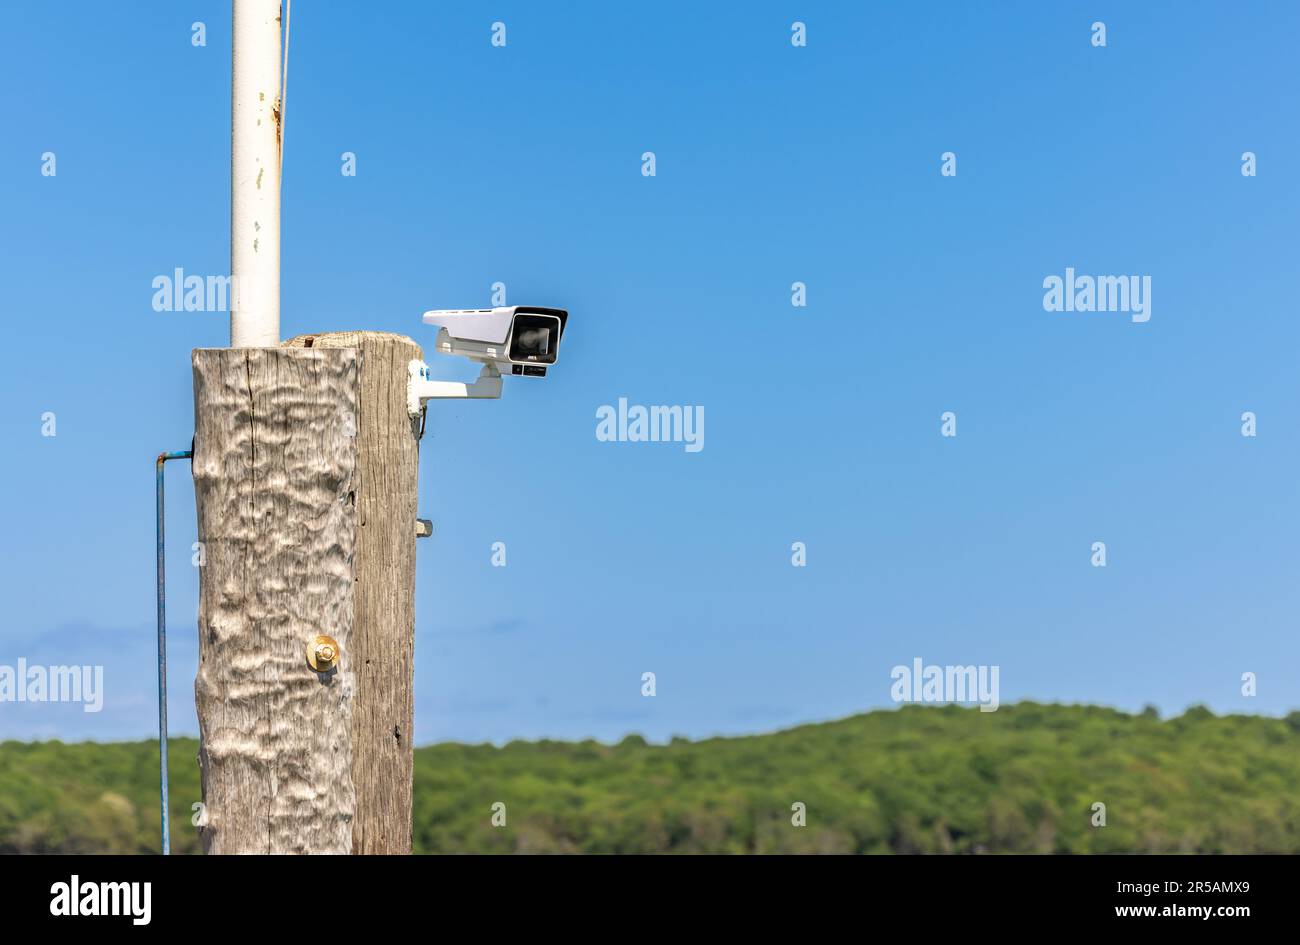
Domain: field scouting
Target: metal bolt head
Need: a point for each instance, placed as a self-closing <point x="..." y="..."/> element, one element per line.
<point x="322" y="653"/>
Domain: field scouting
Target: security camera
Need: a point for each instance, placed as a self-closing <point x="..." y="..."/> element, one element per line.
<point x="521" y="340"/>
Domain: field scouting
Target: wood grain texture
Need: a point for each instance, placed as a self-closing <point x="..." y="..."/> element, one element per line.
<point x="274" y="480"/>
<point x="388" y="467"/>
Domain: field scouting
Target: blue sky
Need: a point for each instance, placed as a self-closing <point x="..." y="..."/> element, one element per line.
<point x="774" y="164"/>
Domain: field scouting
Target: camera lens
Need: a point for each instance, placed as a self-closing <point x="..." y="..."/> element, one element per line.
<point x="534" y="341"/>
<point x="535" y="338"/>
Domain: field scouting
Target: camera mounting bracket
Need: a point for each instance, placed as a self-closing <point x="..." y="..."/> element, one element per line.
<point x="420" y="387"/>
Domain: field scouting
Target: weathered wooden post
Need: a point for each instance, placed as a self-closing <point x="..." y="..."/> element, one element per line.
<point x="305" y="475"/>
<point x="383" y="630"/>
<point x="275" y="489"/>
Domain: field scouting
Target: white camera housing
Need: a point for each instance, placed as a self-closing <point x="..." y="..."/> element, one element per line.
<point x="521" y="340"/>
<point x="513" y="337"/>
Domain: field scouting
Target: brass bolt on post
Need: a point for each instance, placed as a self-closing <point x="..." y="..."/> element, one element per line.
<point x="322" y="653"/>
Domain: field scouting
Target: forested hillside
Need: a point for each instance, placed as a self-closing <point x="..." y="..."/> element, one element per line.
<point x="920" y="779"/>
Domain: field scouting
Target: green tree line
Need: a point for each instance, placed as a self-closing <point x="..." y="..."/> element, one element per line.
<point x="1025" y="779"/>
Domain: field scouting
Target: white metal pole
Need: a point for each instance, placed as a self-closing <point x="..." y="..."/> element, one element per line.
<point x="255" y="175"/>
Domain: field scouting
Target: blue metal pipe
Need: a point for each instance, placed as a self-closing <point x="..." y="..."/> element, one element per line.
<point x="162" y="651"/>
